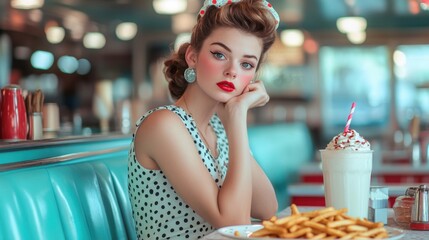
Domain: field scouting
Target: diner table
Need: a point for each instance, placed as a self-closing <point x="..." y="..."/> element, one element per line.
<point x="407" y="233"/>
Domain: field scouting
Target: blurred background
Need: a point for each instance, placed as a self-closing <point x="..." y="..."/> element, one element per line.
<point x="100" y="62"/>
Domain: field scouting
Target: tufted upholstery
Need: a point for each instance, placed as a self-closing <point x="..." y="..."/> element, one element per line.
<point x="281" y="149"/>
<point x="81" y="200"/>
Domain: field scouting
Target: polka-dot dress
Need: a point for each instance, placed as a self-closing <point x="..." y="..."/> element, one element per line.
<point x="159" y="213"/>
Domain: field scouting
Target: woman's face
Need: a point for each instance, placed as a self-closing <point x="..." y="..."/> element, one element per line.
<point x="227" y="63"/>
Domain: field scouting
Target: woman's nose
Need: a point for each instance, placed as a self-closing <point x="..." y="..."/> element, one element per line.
<point x="231" y="73"/>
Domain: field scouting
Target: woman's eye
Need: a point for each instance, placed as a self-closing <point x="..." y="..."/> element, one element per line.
<point x="247" y="65"/>
<point x="218" y="55"/>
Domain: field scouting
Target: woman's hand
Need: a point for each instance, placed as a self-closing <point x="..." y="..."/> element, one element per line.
<point x="256" y="94"/>
<point x="253" y="95"/>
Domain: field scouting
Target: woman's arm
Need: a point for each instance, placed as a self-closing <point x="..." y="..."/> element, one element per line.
<point x="164" y="140"/>
<point x="264" y="201"/>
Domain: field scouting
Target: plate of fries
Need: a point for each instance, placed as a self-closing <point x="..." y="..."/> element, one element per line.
<point x="325" y="223"/>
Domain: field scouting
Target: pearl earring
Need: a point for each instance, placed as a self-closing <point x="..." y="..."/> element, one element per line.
<point x="190" y="75"/>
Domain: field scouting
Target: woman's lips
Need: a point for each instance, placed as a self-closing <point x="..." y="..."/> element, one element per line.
<point x="226" y="86"/>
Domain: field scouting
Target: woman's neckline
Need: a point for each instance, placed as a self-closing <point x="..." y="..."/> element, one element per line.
<point x="194" y="123"/>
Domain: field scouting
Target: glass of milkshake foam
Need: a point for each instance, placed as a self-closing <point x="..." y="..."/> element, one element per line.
<point x="346" y="167"/>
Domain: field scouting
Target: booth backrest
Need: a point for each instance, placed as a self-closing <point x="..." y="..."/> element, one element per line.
<point x="81" y="199"/>
<point x="281" y="149"/>
<point x="86" y="197"/>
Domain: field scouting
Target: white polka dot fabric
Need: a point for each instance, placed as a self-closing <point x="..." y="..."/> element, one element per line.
<point x="159" y="213"/>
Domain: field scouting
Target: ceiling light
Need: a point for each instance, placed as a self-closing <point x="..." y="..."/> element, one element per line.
<point x="351" y="24"/>
<point x="84" y="66"/>
<point x="126" y="31"/>
<point x="55" y="34"/>
<point x="67" y="64"/>
<point x="399" y="58"/>
<point x="292" y="37"/>
<point x="26" y="4"/>
<point x="94" y="40"/>
<point x="35" y="15"/>
<point x="76" y="23"/>
<point x="169" y="6"/>
<point x="183" y="22"/>
<point x="356" y="37"/>
<point x="42" y="60"/>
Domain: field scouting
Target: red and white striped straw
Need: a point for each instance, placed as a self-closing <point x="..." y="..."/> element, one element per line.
<point x="349" y="119"/>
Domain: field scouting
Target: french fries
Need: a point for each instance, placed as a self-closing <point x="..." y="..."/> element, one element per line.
<point x="326" y="223"/>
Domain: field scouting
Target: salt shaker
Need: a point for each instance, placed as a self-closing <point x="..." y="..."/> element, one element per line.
<point x="36" y="128"/>
<point x="378" y="204"/>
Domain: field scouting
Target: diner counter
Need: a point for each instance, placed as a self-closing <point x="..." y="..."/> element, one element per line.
<point x="30" y="152"/>
<point x="309" y="191"/>
<point x="315" y="168"/>
<point x="318" y="189"/>
<point x="381" y="174"/>
<point x="313" y="194"/>
<point x="408" y="234"/>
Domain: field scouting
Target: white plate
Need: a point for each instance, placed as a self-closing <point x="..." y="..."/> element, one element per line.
<point x="244" y="232"/>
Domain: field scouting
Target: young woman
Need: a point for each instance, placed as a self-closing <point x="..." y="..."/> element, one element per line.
<point x="190" y="167"/>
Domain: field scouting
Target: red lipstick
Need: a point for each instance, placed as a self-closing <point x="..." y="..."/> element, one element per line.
<point x="226" y="86"/>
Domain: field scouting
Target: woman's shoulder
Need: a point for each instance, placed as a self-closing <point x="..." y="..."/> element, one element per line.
<point x="156" y="134"/>
<point x="156" y="126"/>
<point x="162" y="115"/>
<point x="159" y="113"/>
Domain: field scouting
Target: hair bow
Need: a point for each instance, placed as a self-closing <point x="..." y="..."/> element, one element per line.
<point x="220" y="3"/>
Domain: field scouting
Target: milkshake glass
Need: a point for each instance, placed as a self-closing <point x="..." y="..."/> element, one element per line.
<point x="346" y="167"/>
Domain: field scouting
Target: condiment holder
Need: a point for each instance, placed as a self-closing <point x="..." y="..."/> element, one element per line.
<point x="13" y="116"/>
<point x="403" y="206"/>
<point x="419" y="211"/>
<point x="378" y="204"/>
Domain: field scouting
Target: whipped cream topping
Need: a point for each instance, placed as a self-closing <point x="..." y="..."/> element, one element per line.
<point x="351" y="140"/>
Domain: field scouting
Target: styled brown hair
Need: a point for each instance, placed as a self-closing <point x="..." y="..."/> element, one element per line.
<point x="250" y="16"/>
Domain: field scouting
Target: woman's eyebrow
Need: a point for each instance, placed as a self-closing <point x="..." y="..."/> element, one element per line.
<point x="229" y="50"/>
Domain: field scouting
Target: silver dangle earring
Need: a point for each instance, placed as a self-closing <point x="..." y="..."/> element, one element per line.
<point x="190" y="75"/>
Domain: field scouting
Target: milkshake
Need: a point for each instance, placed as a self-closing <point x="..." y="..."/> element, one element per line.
<point x="347" y="166"/>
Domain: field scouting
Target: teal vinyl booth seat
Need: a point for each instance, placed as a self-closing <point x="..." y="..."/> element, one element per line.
<point x="281" y="149"/>
<point x="82" y="198"/>
<point x="78" y="189"/>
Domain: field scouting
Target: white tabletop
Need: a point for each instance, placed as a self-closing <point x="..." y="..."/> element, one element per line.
<point x="408" y="234"/>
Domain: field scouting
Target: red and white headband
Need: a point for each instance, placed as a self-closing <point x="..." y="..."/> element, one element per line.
<point x="220" y="3"/>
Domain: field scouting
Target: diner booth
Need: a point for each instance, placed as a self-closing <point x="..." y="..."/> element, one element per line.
<point x="73" y="188"/>
<point x="67" y="177"/>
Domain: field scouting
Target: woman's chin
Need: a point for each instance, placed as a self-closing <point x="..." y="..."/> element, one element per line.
<point x="224" y="98"/>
